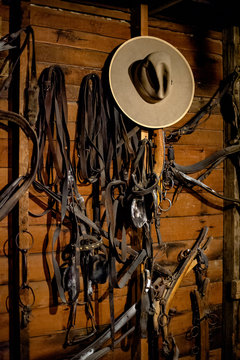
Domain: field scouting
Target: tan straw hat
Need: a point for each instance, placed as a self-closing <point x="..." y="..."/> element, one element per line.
<point x="151" y="82"/>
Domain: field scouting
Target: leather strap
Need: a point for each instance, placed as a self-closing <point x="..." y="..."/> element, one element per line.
<point x="91" y="137"/>
<point x="14" y="191"/>
<point x="179" y="174"/>
<point x="225" y="86"/>
<point x="119" y="323"/>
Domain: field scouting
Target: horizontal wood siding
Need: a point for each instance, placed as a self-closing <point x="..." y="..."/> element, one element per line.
<point x="79" y="38"/>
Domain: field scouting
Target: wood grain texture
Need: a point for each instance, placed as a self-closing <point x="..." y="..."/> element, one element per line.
<point x="80" y="38"/>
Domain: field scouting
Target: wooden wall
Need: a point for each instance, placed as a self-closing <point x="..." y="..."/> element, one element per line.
<point x="79" y="38"/>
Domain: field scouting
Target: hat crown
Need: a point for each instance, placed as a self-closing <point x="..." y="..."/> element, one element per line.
<point x="152" y="77"/>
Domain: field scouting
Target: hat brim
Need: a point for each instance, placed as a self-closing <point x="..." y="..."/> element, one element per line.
<point x="164" y="113"/>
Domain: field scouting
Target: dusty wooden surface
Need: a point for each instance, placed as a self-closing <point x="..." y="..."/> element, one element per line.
<point x="79" y="38"/>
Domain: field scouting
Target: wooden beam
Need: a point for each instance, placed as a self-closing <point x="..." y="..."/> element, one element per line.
<point x="140" y="28"/>
<point x="144" y="32"/>
<point x="13" y="228"/>
<point x="158" y="134"/>
<point x="231" y="263"/>
<point x="24" y="165"/>
<point x="144" y="20"/>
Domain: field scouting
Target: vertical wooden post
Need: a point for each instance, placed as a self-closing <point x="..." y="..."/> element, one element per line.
<point x="158" y="134"/>
<point x="18" y="338"/>
<point x="144" y="134"/>
<point x="141" y="28"/>
<point x="24" y="165"/>
<point x="144" y="32"/>
<point x="231" y="261"/>
<point x="13" y="105"/>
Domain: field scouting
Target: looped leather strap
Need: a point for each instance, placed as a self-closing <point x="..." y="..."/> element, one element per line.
<point x="52" y="123"/>
<point x="181" y="177"/>
<point x="91" y="138"/>
<point x="32" y="90"/>
<point x="11" y="194"/>
<point x="112" y="204"/>
<point x="215" y="100"/>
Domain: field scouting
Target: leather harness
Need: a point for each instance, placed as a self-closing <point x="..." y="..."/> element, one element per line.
<point x="12" y="192"/>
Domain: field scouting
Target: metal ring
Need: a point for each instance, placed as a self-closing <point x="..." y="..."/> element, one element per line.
<point x="192" y="333"/>
<point x="195" y="350"/>
<point x="17" y="241"/>
<point x="7" y="303"/>
<point x="161" y="319"/>
<point x="183" y="255"/>
<point x="28" y="288"/>
<point x="169" y="206"/>
<point x="4" y="248"/>
<point x="212" y="319"/>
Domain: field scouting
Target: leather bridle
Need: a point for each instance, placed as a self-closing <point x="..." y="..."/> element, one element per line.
<point x="11" y="194"/>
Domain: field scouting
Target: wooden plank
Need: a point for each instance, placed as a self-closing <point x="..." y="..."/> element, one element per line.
<point x="188" y="205"/>
<point x="5" y="24"/>
<point x="69" y="55"/>
<point x="214" y="354"/>
<point x="211" y="62"/>
<point x="172" y="229"/>
<point x="204" y="138"/>
<point x="75" y="38"/>
<point x="200" y="101"/>
<point x="40" y="269"/>
<point x="5" y="150"/>
<point x="231" y="39"/>
<point x="213" y="252"/>
<point x="181" y="28"/>
<point x="186" y="228"/>
<point x="4" y="350"/>
<point x="4" y="270"/>
<point x="190" y="145"/>
<point x="4" y="12"/>
<point x="4" y="329"/>
<point x="182" y="301"/>
<point x="54" y="342"/>
<point x="45" y="322"/>
<point x="96" y="9"/>
<point x="85" y="33"/>
<point x="3" y="104"/>
<point x="67" y="20"/>
<point x="188" y="41"/>
<point x="4" y="293"/>
<point x="215" y="273"/>
<point x="212" y="122"/>
<point x="53" y="349"/>
<point x="188" y="154"/>
<point x="73" y="75"/>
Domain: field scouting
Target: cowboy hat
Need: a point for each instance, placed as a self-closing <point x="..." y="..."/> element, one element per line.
<point x="151" y="82"/>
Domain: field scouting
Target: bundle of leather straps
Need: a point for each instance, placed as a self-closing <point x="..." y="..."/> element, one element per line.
<point x="111" y="157"/>
<point x="120" y="169"/>
<point x="57" y="178"/>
